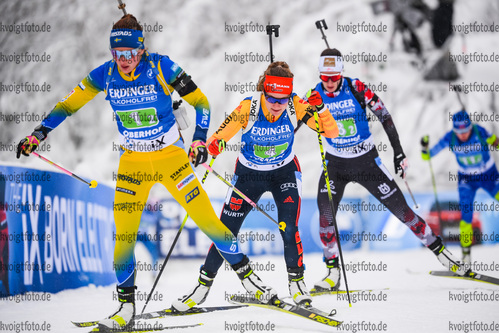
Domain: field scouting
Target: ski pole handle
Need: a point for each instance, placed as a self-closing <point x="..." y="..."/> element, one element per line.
<point x="322" y="24"/>
<point x="122" y="7"/>
<point x="272" y="29"/>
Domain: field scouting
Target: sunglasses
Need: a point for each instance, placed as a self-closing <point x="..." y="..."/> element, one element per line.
<point x="463" y="130"/>
<point x="273" y="100"/>
<point x="128" y="54"/>
<point x="333" y="78"/>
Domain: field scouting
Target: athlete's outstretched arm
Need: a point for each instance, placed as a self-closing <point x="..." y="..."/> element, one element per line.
<point x="234" y="122"/>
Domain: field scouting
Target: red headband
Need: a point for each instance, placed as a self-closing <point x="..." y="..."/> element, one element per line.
<point x="278" y="84"/>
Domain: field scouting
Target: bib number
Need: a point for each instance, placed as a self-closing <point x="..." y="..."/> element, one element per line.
<point x="347" y="127"/>
<point x="133" y="119"/>
<point x="270" y="151"/>
<point x="471" y="160"/>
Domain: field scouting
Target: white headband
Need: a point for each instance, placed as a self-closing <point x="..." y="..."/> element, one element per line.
<point x="331" y="64"/>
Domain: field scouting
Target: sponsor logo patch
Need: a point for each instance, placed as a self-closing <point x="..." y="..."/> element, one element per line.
<point x="383" y="188"/>
<point x="185" y="181"/>
<point x="150" y="73"/>
<point x="176" y="174"/>
<point x="125" y="190"/>
<point x="68" y="95"/>
<point x="120" y="33"/>
<point x="235" y="204"/>
<point x="286" y="186"/>
<point x="329" y="62"/>
<point x="128" y="179"/>
<point x="192" y="194"/>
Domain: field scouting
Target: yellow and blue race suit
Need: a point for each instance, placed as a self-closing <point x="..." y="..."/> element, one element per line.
<point x="142" y="104"/>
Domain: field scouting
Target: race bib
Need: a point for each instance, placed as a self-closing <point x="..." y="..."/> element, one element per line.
<point x="132" y="119"/>
<point x="347" y="127"/>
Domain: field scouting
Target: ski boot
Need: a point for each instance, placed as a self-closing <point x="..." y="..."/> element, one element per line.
<point x="123" y="318"/>
<point x="466" y="251"/>
<point x="252" y="283"/>
<point x="198" y="294"/>
<point x="447" y="259"/>
<point x="297" y="288"/>
<point x="331" y="281"/>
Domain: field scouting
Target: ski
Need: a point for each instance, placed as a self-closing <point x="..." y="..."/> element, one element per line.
<point x="472" y="277"/>
<point x="309" y="312"/>
<point x="167" y="312"/>
<point x="191" y="311"/>
<point x="146" y="329"/>
<point x="320" y="292"/>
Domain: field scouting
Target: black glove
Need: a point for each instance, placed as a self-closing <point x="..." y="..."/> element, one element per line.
<point x="198" y="154"/>
<point x="401" y="164"/>
<point x="29" y="144"/>
<point x="425" y="142"/>
<point x="425" y="145"/>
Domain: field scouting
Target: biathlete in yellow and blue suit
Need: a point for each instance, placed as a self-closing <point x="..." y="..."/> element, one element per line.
<point x="138" y="85"/>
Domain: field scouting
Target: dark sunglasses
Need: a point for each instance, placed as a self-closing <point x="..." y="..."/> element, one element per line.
<point x="273" y="100"/>
<point x="333" y="78"/>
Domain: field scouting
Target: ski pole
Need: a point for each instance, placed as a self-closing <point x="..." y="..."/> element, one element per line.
<point x="433" y="182"/>
<point x="410" y="192"/>
<point x="92" y="184"/>
<point x="435" y="192"/>
<point x="457" y="89"/>
<point x="173" y="245"/>
<point x="122" y="7"/>
<point x="319" y="25"/>
<point x="272" y="29"/>
<point x="281" y="225"/>
<point x="330" y="197"/>
<point x="322" y="24"/>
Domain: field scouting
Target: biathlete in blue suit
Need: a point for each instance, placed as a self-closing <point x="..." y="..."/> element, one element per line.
<point x="471" y="143"/>
<point x="353" y="157"/>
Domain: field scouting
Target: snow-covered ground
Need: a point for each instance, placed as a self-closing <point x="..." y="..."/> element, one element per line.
<point x="195" y="35"/>
<point x="415" y="301"/>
